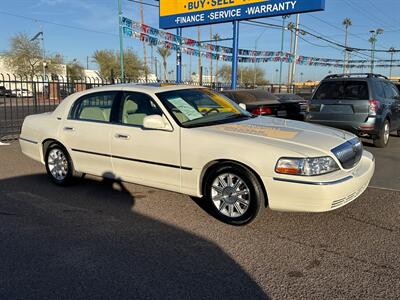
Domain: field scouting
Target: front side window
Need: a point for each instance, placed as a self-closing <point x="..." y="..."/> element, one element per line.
<point x="94" y="107"/>
<point x="135" y="107"/>
<point x="342" y="90"/>
<point x="200" y="107"/>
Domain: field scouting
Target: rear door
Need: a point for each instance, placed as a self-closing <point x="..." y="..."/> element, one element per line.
<point x="341" y="101"/>
<point x="86" y="133"/>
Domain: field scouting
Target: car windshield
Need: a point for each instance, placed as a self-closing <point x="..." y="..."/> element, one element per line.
<point x="342" y="90"/>
<point x="201" y="107"/>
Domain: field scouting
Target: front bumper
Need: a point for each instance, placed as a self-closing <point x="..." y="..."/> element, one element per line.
<point x="322" y="193"/>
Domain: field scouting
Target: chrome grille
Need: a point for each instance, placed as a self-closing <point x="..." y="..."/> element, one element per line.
<point x="349" y="153"/>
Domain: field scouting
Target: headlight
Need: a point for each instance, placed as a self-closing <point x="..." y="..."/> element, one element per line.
<point x="306" y="166"/>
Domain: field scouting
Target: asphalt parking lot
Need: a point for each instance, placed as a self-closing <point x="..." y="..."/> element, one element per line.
<point x="99" y="239"/>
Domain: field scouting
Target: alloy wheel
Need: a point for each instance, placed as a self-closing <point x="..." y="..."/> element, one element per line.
<point x="230" y="195"/>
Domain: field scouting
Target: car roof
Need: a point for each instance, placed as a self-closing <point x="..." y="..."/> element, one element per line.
<point x="138" y="87"/>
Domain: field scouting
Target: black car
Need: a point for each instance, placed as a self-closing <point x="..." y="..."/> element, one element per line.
<point x="263" y="103"/>
<point x="294" y="97"/>
<point x="4" y="92"/>
<point x="365" y="104"/>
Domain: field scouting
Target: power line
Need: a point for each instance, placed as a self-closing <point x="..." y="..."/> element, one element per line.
<point x="57" y="24"/>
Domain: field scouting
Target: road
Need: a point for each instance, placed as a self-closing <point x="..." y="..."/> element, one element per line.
<point x="99" y="239"/>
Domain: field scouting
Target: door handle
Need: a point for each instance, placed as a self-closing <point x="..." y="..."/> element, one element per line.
<point x="69" y="129"/>
<point x="122" y="136"/>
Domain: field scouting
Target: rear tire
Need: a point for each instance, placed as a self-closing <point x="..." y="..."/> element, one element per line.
<point x="59" y="165"/>
<point x="233" y="194"/>
<point x="384" y="135"/>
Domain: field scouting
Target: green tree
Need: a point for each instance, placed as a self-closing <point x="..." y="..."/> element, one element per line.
<point x="164" y="53"/>
<point x="245" y="75"/>
<point x="108" y="62"/>
<point x="75" y="70"/>
<point x="25" y="57"/>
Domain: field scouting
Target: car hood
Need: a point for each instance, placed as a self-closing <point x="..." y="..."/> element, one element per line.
<point x="287" y="131"/>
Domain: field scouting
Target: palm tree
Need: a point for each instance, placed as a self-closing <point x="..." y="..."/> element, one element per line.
<point x="346" y="23"/>
<point x="164" y="53"/>
<point x="216" y="38"/>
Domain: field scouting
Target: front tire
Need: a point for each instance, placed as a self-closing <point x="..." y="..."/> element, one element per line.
<point x="233" y="194"/>
<point x="59" y="165"/>
<point x="383" y="140"/>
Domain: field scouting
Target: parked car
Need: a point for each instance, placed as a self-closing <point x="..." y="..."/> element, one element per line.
<point x="21" y="93"/>
<point x="294" y="97"/>
<point x="4" y="92"/>
<point x="263" y="103"/>
<point x="194" y="141"/>
<point x="365" y="104"/>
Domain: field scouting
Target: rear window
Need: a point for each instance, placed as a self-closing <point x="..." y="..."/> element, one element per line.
<point x="252" y="96"/>
<point x="344" y="90"/>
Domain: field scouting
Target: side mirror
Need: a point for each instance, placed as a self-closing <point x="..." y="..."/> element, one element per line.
<point x="242" y="105"/>
<point x="155" y="122"/>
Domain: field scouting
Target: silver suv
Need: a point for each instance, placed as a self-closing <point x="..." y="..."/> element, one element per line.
<point x="365" y="104"/>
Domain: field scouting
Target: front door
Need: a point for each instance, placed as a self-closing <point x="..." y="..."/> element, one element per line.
<point x="143" y="156"/>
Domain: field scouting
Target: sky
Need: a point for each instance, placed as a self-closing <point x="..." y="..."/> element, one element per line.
<point x="77" y="28"/>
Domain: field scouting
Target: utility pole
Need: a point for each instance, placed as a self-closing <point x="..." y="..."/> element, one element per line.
<point x="144" y="44"/>
<point x="291" y="28"/>
<point x="282" y="47"/>
<point x="255" y="56"/>
<point x="296" y="44"/>
<point x="211" y="58"/>
<point x="391" y="51"/>
<point x="347" y="23"/>
<point x="87" y="62"/>
<point x="199" y="60"/>
<point x="121" y="42"/>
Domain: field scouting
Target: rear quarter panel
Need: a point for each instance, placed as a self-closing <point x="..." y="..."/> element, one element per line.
<point x="35" y="130"/>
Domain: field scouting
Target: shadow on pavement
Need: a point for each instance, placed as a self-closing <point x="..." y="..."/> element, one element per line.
<point x="86" y="242"/>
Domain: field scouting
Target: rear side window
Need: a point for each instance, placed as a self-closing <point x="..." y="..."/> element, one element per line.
<point x="391" y="90"/>
<point x="343" y="90"/>
<point x="380" y="89"/>
<point x="94" y="107"/>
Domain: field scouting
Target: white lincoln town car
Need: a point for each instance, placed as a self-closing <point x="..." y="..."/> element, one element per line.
<point x="194" y="141"/>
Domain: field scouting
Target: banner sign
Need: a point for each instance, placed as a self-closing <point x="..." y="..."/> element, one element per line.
<point x="185" y="13"/>
<point x="160" y="38"/>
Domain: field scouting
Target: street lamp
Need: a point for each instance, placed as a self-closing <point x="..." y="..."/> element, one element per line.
<point x="346" y="23"/>
<point x="373" y="39"/>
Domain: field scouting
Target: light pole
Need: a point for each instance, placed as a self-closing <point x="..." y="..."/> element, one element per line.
<point x="373" y="39"/>
<point x="347" y="23"/>
<point x="282" y="45"/>
<point x="255" y="56"/>
<point x="391" y="51"/>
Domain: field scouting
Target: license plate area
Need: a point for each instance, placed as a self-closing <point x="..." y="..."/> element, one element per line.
<point x="337" y="109"/>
